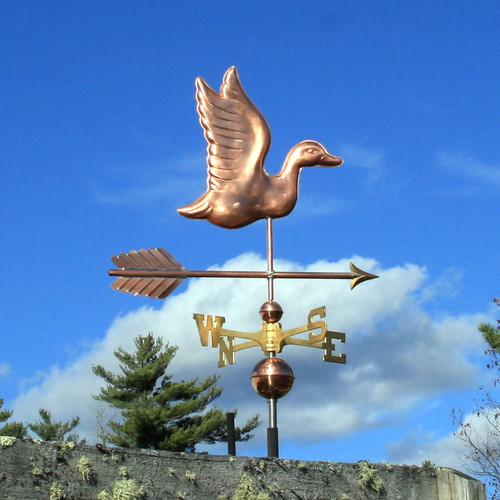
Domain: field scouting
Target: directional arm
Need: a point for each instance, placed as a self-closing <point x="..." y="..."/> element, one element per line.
<point x="271" y="337"/>
<point x="155" y="273"/>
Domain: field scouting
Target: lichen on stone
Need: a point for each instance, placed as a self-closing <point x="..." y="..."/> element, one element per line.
<point x="190" y="476"/>
<point x="7" y="440"/>
<point x="368" y="478"/>
<point x="84" y="467"/>
<point x="56" y="492"/>
<point x="302" y="465"/>
<point x="36" y="471"/>
<point x="123" y="489"/>
<point x="65" y="446"/>
<point x="247" y="490"/>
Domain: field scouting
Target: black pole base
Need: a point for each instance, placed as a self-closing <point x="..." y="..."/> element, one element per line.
<point x="272" y="442"/>
<point x="231" y="435"/>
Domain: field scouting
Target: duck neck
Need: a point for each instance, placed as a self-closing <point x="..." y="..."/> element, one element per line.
<point x="291" y="169"/>
<point x="288" y="179"/>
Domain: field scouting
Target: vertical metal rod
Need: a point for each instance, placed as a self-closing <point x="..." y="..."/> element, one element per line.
<point x="270" y="262"/>
<point x="273" y="417"/>
<point x="272" y="430"/>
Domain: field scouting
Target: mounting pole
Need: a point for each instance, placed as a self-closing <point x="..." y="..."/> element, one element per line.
<point x="272" y="430"/>
<point x="231" y="436"/>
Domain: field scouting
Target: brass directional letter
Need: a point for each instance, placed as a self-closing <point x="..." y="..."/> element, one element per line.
<point x="318" y="324"/>
<point x="226" y="351"/>
<point x="204" y="329"/>
<point x="329" y="347"/>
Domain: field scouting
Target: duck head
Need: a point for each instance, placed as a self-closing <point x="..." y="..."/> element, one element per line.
<point x="312" y="153"/>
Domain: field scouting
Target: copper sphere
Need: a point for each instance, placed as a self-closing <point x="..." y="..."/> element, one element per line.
<point x="271" y="312"/>
<point x="272" y="378"/>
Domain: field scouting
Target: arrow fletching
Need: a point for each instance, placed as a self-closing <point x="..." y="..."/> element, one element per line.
<point x="153" y="258"/>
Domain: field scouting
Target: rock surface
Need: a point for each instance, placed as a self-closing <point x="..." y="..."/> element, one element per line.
<point x="60" y="471"/>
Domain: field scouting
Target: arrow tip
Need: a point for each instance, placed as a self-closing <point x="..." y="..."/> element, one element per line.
<point x="359" y="275"/>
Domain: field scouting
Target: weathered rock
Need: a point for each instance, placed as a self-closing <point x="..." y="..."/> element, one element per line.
<point x="57" y="471"/>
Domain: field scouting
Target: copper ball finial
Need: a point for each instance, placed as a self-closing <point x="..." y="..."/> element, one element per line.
<point x="272" y="378"/>
<point x="271" y="312"/>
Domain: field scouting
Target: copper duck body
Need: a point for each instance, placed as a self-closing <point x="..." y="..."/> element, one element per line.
<point x="239" y="190"/>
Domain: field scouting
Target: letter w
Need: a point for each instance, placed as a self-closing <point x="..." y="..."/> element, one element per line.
<point x="208" y="327"/>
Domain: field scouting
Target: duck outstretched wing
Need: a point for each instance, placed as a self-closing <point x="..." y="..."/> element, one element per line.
<point x="237" y="134"/>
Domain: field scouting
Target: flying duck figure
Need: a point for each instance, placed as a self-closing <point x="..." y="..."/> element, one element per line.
<point x="239" y="190"/>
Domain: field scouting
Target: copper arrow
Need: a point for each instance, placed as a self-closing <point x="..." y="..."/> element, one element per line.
<point x="155" y="273"/>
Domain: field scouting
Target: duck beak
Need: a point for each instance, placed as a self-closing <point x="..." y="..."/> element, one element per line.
<point x="329" y="160"/>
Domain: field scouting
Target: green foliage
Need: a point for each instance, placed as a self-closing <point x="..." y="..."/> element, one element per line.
<point x="54" y="431"/>
<point x="4" y="414"/>
<point x="14" y="429"/>
<point x="491" y="335"/>
<point x="157" y="412"/>
<point x="427" y="464"/>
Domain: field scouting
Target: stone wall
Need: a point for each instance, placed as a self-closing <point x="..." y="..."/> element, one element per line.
<point x="55" y="471"/>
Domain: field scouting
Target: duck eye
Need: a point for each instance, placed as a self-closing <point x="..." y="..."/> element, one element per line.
<point x="311" y="151"/>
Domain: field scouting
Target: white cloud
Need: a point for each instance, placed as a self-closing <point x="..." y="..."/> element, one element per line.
<point x="419" y="446"/>
<point x="309" y="206"/>
<point x="4" y="369"/>
<point x="398" y="356"/>
<point x="371" y="160"/>
<point x="448" y="284"/>
<point x="471" y="167"/>
<point x="448" y="451"/>
<point x="143" y="185"/>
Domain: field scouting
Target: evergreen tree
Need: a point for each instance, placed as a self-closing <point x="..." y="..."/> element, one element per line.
<point x="14" y="429"/>
<point x="4" y="414"/>
<point x="54" y="431"/>
<point x="157" y="412"/>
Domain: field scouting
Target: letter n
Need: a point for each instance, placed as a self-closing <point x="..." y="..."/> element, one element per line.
<point x="226" y="351"/>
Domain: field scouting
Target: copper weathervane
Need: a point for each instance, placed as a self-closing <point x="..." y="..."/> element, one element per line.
<point x="239" y="192"/>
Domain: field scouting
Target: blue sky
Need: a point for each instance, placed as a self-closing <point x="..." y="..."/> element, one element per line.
<point x="101" y="144"/>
